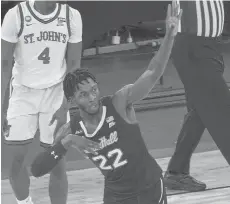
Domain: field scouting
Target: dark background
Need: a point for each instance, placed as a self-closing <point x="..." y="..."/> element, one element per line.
<point x="101" y="16"/>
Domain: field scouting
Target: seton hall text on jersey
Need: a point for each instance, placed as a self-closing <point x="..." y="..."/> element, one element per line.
<point x="104" y="142"/>
<point x="45" y="36"/>
<point x="107" y="142"/>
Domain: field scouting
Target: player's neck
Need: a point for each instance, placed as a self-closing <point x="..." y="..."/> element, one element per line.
<point x="92" y="119"/>
<point x="44" y="8"/>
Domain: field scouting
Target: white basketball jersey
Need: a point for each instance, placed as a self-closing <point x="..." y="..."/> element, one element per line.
<point x="41" y="49"/>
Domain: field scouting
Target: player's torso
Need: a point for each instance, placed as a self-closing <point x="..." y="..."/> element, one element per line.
<point x="40" y="52"/>
<point x="123" y="158"/>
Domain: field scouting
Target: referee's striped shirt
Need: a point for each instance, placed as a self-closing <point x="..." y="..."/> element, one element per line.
<point x="202" y="17"/>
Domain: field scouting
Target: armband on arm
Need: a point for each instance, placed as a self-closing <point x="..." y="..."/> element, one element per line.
<point x="47" y="160"/>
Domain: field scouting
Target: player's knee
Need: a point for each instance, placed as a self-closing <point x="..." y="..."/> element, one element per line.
<point x="16" y="158"/>
<point x="17" y="152"/>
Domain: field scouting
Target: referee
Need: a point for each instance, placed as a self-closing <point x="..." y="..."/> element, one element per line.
<point x="200" y="67"/>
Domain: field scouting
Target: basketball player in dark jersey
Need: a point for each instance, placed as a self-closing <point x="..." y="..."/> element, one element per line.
<point x="107" y="132"/>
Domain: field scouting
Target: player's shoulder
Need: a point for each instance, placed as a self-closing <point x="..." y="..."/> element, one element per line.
<point x="122" y="94"/>
<point x="13" y="11"/>
<point x="12" y="19"/>
<point x="112" y="104"/>
<point x="16" y="10"/>
<point x="121" y="104"/>
<point x="106" y="100"/>
<point x="73" y="12"/>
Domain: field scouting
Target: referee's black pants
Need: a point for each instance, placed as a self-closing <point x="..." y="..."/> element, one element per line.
<point x="200" y="67"/>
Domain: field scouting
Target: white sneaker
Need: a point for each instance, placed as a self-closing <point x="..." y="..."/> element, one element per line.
<point x="26" y="201"/>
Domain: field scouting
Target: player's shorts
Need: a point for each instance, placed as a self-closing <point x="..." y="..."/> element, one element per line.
<point x="155" y="194"/>
<point x="32" y="109"/>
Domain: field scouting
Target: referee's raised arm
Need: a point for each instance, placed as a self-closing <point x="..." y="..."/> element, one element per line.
<point x="202" y="17"/>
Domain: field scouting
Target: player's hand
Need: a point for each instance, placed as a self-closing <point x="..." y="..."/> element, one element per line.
<point x="173" y="18"/>
<point x="5" y="126"/>
<point x="61" y="117"/>
<point x="82" y="144"/>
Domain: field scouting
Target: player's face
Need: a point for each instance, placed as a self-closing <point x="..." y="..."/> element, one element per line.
<point x="88" y="96"/>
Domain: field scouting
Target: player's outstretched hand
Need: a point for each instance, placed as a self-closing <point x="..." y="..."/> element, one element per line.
<point x="49" y="158"/>
<point x="173" y="18"/>
<point x="5" y="126"/>
<point x="82" y="144"/>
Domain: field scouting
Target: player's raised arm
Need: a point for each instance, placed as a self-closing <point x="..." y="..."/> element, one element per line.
<point x="156" y="67"/>
<point x="9" y="37"/>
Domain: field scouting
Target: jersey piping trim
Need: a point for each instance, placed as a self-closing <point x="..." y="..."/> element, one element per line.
<point x="41" y="20"/>
<point x="98" y="127"/>
<point x="22" y="20"/>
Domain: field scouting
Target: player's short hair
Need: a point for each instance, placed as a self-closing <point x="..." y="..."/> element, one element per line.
<point x="73" y="79"/>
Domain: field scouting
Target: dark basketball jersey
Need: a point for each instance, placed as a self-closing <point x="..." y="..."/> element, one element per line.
<point x="123" y="158"/>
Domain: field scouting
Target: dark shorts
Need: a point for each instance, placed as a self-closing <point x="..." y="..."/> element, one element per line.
<point x="155" y="194"/>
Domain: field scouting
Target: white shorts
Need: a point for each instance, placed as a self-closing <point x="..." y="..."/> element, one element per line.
<point x="30" y="110"/>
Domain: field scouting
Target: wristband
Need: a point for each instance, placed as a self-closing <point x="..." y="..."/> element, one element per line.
<point x="47" y="160"/>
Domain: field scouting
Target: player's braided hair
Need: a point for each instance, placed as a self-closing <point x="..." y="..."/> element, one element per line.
<point x="72" y="79"/>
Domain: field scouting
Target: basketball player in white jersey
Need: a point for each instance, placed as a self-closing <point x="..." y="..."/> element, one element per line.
<point x="44" y="39"/>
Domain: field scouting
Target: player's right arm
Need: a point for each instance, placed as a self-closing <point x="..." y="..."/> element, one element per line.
<point x="48" y="159"/>
<point x="9" y="38"/>
<point x="144" y="84"/>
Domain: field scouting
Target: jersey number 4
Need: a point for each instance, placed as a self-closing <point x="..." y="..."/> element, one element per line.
<point x="118" y="161"/>
<point x="45" y="56"/>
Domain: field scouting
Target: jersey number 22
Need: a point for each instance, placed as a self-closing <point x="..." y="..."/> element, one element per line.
<point x="45" y="56"/>
<point x="118" y="162"/>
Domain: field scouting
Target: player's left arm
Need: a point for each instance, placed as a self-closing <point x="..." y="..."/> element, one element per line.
<point x="73" y="60"/>
<point x="74" y="46"/>
<point x="144" y="84"/>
